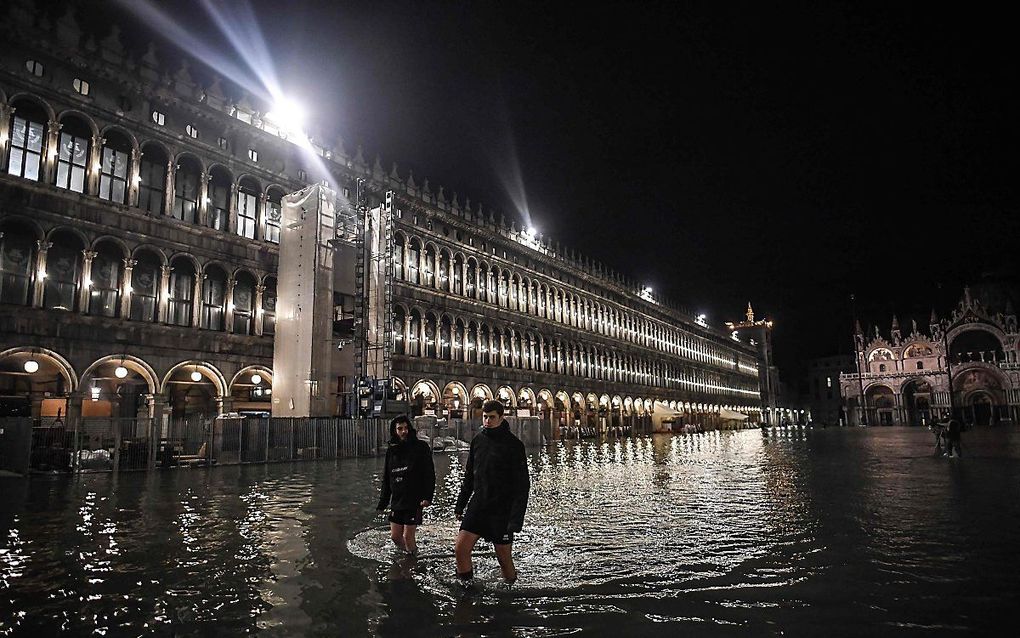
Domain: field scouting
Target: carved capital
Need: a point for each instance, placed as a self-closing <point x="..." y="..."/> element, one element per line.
<point x="43" y="246"/>
<point x="129" y="263"/>
<point x="89" y="255"/>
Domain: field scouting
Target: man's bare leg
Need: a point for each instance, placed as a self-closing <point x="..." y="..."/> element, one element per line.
<point x="462" y="551"/>
<point x="410" y="546"/>
<point x="397" y="535"/>
<point x="504" y="555"/>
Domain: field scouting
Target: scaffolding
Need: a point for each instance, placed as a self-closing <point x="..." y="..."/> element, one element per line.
<point x="373" y="301"/>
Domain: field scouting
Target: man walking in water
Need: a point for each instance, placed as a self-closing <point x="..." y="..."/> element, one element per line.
<point x="494" y="494"/>
<point x="409" y="479"/>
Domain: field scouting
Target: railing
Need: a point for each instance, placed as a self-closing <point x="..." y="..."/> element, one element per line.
<point x="111" y="445"/>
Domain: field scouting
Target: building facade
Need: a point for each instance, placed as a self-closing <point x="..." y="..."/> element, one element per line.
<point x="822" y="390"/>
<point x="140" y="213"/>
<point x="966" y="362"/>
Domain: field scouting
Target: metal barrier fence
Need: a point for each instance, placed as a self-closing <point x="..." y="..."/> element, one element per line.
<point x="112" y="445"/>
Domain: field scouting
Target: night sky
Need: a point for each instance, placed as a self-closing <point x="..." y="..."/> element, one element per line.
<point x="786" y="155"/>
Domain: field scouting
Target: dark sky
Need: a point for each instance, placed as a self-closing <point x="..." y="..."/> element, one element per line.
<point x="783" y="154"/>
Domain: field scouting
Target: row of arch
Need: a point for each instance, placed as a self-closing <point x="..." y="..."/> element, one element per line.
<point x="457" y="395"/>
<point x="62" y="269"/>
<point x="71" y="152"/>
<point x="190" y="386"/>
<point x="425" y="263"/>
<point x="433" y="335"/>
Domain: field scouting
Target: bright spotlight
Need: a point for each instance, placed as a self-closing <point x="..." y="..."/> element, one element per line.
<point x="31" y="366"/>
<point x="289" y="116"/>
<point x="531" y="232"/>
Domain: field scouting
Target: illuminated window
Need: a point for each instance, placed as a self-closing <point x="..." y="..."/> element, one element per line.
<point x="253" y="155"/>
<point x="27" y="128"/>
<point x="72" y="156"/>
<point x="186" y="191"/>
<point x="35" y="68"/>
<point x="80" y="86"/>
<point x="828" y="382"/>
<point x="158" y="118"/>
<point x="113" y="170"/>
<point x="191" y="131"/>
<point x="223" y="143"/>
<point x="247" y="209"/>
<point x="274" y="212"/>
<point x="152" y="180"/>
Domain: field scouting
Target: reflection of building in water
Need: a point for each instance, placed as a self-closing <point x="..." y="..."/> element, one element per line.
<point x="140" y="222"/>
<point x="906" y="378"/>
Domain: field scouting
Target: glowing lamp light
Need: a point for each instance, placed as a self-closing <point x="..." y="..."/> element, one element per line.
<point x="288" y="115"/>
<point x="196" y="375"/>
<point x="31" y="366"/>
<point x="256" y="379"/>
<point x="95" y="392"/>
<point x="120" y="372"/>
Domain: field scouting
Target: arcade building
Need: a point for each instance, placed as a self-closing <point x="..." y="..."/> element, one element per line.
<point x="140" y="226"/>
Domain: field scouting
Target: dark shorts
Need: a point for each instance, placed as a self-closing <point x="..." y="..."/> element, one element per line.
<point x="406" y="517"/>
<point x="492" y="529"/>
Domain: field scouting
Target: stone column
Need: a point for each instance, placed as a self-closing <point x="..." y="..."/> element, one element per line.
<point x="125" y="288"/>
<point x="40" y="272"/>
<point x="6" y="111"/>
<point x="134" y="177"/>
<point x="202" y="212"/>
<point x="163" y="302"/>
<point x="260" y="217"/>
<point x="259" y="314"/>
<point x="86" y="280"/>
<point x="171" y="177"/>
<point x="228" y="314"/>
<point x="51" y="151"/>
<point x="196" y="304"/>
<point x="94" y="165"/>
<point x="232" y="210"/>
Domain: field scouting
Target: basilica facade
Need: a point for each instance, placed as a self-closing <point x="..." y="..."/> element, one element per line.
<point x="140" y="208"/>
<point x="966" y="362"/>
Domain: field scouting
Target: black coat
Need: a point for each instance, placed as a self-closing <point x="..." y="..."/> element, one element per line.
<point x="496" y="483"/>
<point x="409" y="476"/>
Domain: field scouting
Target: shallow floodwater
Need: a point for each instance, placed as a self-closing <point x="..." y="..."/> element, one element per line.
<point x="787" y="532"/>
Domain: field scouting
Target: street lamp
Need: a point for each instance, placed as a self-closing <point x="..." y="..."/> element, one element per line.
<point x="31" y="366"/>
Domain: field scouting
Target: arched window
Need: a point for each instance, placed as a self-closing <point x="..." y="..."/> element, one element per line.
<point x="63" y="266"/>
<point x="113" y="172"/>
<point x="269" y="307"/>
<point x="182" y="292"/>
<point x="431" y="336"/>
<point x="457" y="341"/>
<point x="274" y="213"/>
<point x="214" y="294"/>
<point x="28" y="129"/>
<point x="219" y="199"/>
<point x="152" y="179"/>
<point x="244" y="304"/>
<point x="186" y="189"/>
<point x="427" y="266"/>
<point x="399" y="323"/>
<point x="446" y="340"/>
<point x="484" y="341"/>
<point x="17" y="259"/>
<point x="104" y="298"/>
<point x="413" y="332"/>
<point x="444" y="271"/>
<point x="458" y="275"/>
<point x="144" y="287"/>
<point x="470" y="279"/>
<point x="398" y="256"/>
<point x="72" y="155"/>
<point x="413" y="260"/>
<point x="483" y="282"/>
<point x="471" y="339"/>
<point x="247" y="207"/>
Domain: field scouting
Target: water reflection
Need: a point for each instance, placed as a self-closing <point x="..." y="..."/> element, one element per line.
<point x="787" y="531"/>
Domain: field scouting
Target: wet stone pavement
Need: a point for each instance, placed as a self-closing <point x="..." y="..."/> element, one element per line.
<point x="786" y="532"/>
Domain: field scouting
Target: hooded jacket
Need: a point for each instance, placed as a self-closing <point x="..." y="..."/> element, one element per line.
<point x="496" y="483"/>
<point x="409" y="476"/>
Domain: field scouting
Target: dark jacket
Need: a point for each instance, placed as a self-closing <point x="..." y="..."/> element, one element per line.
<point x="496" y="478"/>
<point x="409" y="476"/>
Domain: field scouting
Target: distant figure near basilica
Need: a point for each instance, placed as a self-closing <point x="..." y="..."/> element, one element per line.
<point x="906" y="379"/>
